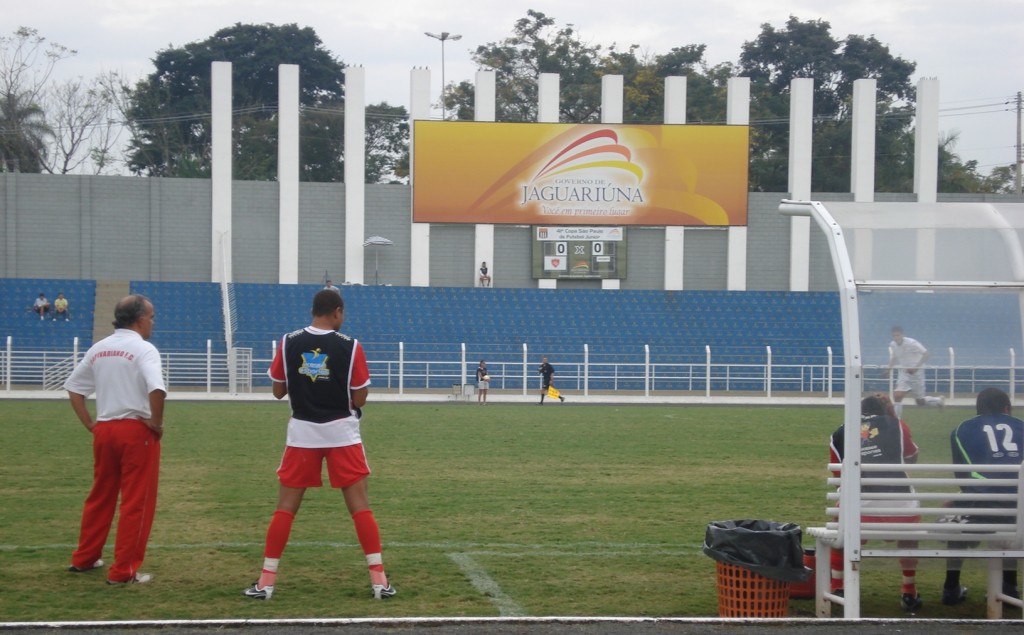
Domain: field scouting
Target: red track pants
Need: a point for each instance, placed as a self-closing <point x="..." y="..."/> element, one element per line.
<point x="126" y="461"/>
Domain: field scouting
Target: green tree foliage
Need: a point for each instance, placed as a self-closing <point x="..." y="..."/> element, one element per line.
<point x="24" y="135"/>
<point x="536" y="47"/>
<point x="387" y="143"/>
<point x="776" y="56"/>
<point x="170" y="108"/>
<point x="808" y="50"/>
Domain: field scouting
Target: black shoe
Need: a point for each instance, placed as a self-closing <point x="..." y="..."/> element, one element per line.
<point x="956" y="595"/>
<point x="1011" y="590"/>
<point x="257" y="593"/>
<point x="910" y="602"/>
<point x="95" y="565"/>
<point x="562" y="398"/>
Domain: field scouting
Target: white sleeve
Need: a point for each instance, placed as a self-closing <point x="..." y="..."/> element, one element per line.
<point x="81" y="381"/>
<point x="152" y="370"/>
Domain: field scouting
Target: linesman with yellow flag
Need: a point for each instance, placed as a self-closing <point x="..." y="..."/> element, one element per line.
<point x="547" y="373"/>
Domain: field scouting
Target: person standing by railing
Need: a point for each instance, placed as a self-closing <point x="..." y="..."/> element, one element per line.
<point x="547" y="374"/>
<point x="483" y="383"/>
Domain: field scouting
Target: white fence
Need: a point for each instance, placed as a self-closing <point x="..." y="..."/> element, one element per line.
<point x="209" y="371"/>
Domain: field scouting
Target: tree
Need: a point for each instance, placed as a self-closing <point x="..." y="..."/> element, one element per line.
<point x="387" y="143"/>
<point x="808" y="50"/>
<point x="24" y="135"/>
<point x="26" y="62"/>
<point x="81" y="116"/>
<point x="536" y="47"/>
<point x="169" y="109"/>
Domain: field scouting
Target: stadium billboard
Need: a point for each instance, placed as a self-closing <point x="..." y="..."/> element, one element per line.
<point x="579" y="174"/>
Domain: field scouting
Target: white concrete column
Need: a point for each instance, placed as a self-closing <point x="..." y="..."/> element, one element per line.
<point x="675" y="100"/>
<point x="862" y="154"/>
<point x="355" y="174"/>
<point x="419" y="247"/>
<point x="288" y="173"/>
<point x="926" y="168"/>
<point x="801" y="113"/>
<point x="862" y="167"/>
<point x="737" y="113"/>
<point x="611" y="99"/>
<point x="611" y="112"/>
<point x="926" y="141"/>
<point x="547" y="97"/>
<point x="220" y="171"/>
<point x="547" y="112"/>
<point x="675" y="236"/>
<point x="484" y="108"/>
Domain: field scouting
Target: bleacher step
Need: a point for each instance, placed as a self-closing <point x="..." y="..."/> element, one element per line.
<point x="108" y="294"/>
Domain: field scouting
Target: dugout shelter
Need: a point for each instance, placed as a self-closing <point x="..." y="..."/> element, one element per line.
<point x="951" y="274"/>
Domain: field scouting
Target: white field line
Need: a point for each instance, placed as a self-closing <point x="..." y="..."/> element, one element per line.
<point x="483" y="583"/>
<point x="594" y="549"/>
<point x="462" y="554"/>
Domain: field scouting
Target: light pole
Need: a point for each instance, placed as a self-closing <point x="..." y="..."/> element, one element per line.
<point x="443" y="36"/>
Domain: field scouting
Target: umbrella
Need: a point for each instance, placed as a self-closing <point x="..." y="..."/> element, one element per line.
<point x="376" y="241"/>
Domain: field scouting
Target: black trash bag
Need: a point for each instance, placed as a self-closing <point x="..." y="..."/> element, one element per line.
<point x="767" y="548"/>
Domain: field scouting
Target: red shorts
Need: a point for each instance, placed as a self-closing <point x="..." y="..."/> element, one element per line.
<point x="302" y="467"/>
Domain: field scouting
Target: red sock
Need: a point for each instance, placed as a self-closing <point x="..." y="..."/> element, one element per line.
<point x="367" y="531"/>
<point x="909" y="566"/>
<point x="836" y="564"/>
<point x="277" y="538"/>
<point x="369" y="538"/>
<point x="277" y="533"/>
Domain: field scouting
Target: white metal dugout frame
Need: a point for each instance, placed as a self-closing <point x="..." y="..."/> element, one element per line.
<point x="905" y="258"/>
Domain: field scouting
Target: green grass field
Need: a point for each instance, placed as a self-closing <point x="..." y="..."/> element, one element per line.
<point x="506" y="510"/>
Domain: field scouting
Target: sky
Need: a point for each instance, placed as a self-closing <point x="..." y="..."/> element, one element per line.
<point x="975" y="49"/>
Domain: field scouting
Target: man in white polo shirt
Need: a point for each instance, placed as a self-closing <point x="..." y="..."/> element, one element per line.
<point x="124" y="371"/>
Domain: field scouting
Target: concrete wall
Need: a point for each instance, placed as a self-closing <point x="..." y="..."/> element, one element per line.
<point x="88" y="227"/>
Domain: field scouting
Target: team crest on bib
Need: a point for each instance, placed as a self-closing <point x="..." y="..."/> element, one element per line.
<point x="314" y="365"/>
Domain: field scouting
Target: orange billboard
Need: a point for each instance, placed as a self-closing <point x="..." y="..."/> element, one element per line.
<point x="579" y="174"/>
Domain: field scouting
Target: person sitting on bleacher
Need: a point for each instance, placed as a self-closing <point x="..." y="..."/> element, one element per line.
<point x="41" y="306"/>
<point x="485" y="276"/>
<point x="60" y="308"/>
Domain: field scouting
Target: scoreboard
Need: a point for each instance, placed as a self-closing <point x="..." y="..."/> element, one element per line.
<point x="579" y="253"/>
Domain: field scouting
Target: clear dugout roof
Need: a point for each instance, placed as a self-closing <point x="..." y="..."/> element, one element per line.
<point x="950" y="274"/>
<point x="947" y="244"/>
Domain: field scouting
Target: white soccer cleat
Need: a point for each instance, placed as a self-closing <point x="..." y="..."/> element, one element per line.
<point x="381" y="592"/>
<point x="257" y="593"/>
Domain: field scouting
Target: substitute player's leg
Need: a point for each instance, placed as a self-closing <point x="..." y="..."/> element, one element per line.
<point x="289" y="499"/>
<point x="357" y="500"/>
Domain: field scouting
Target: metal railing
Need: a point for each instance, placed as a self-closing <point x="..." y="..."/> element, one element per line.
<point x="209" y="371"/>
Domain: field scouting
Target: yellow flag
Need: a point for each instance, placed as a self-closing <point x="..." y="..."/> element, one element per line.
<point x="553" y="392"/>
